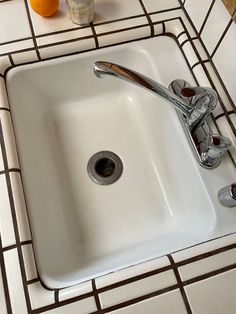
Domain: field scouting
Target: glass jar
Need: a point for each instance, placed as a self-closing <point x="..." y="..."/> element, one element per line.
<point x="81" y="11"/>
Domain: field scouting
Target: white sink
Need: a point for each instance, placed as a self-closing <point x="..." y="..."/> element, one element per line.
<point x="62" y="115"/>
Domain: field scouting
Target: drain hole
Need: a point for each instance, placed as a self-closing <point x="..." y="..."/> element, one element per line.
<point x="105" y="167"/>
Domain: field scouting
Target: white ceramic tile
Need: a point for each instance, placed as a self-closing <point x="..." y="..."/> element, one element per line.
<point x="15" y="46"/>
<point x="200" y="49"/>
<point x="84" y="306"/>
<point x="158" y="29"/>
<point x="75" y="291"/>
<point x="153" y="5"/>
<point x="113" y="9"/>
<point x="124" y="36"/>
<point x="6" y="222"/>
<point x="13" y="21"/>
<point x="219" y="87"/>
<point x="110" y="27"/>
<point x="226" y="51"/>
<point x="20" y="207"/>
<point x="176" y="26"/>
<point x="132" y="271"/>
<point x="182" y="38"/>
<point x="215" y="25"/>
<point x="207" y="265"/>
<point x="2" y="296"/>
<point x="190" y="53"/>
<point x="1" y="160"/>
<point x="59" y="50"/>
<point x="204" y="248"/>
<point x="39" y="296"/>
<point x="197" y="11"/>
<point x="64" y="36"/>
<point x="4" y="64"/>
<point x="215" y="295"/>
<point x="137" y="288"/>
<point x="24" y="57"/>
<point x="58" y="22"/>
<point x="3" y="94"/>
<point x="9" y="139"/>
<point x="227" y="131"/>
<point x="167" y="303"/>
<point x="201" y="76"/>
<point x="29" y="261"/>
<point x="14" y="280"/>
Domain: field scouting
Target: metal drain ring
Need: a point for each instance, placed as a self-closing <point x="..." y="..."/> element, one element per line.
<point x="105" y="167"/>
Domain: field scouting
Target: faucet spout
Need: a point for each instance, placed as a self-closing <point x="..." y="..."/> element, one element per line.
<point x="102" y="68"/>
<point x="195" y="103"/>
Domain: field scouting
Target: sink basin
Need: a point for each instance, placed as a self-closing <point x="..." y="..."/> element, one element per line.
<point x="62" y="116"/>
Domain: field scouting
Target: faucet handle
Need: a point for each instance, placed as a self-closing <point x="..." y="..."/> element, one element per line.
<point x="214" y="146"/>
<point x="202" y="100"/>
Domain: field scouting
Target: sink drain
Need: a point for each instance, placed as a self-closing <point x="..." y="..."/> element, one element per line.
<point x="105" y="167"/>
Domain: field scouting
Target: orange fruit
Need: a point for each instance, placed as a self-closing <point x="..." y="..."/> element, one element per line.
<point x="44" y="7"/>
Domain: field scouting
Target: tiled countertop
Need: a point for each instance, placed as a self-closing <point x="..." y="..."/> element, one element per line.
<point x="200" y="279"/>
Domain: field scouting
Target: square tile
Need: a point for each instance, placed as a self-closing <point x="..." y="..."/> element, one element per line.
<point x="215" y="25"/>
<point x="215" y="295"/>
<point x="197" y="11"/>
<point x="114" y="10"/>
<point x="39" y="296"/>
<point x="167" y="303"/>
<point x="226" y="51"/>
<point x="12" y="15"/>
<point x="160" y="5"/>
<point x="138" y="288"/>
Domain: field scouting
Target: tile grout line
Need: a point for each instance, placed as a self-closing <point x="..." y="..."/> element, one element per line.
<point x="221" y="38"/>
<point x="94" y="35"/>
<point x="206" y="17"/>
<point x="148" y="18"/>
<point x="180" y="284"/>
<point x="32" y="29"/>
<point x="15" y="224"/>
<point x="96" y="297"/>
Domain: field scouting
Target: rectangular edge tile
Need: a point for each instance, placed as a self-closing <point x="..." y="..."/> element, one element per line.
<point x="75" y="291"/>
<point x="138" y="288"/>
<point x="84" y="306"/>
<point x="4" y="64"/>
<point x="3" y="306"/>
<point x="6" y="222"/>
<point x="39" y="296"/>
<point x="24" y="57"/>
<point x="9" y="139"/>
<point x="16" y="46"/>
<point x="3" y="94"/>
<point x="128" y="35"/>
<point x="207" y="265"/>
<point x="67" y="48"/>
<point x="15" y="283"/>
<point x="119" y="25"/>
<point x="204" y="248"/>
<point x="167" y="303"/>
<point x="215" y="295"/>
<point x="29" y="262"/>
<point x="64" y="36"/>
<point x="20" y="207"/>
<point x="132" y="271"/>
<point x="1" y="160"/>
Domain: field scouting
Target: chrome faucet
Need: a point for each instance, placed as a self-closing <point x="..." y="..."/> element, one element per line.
<point x="194" y="104"/>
